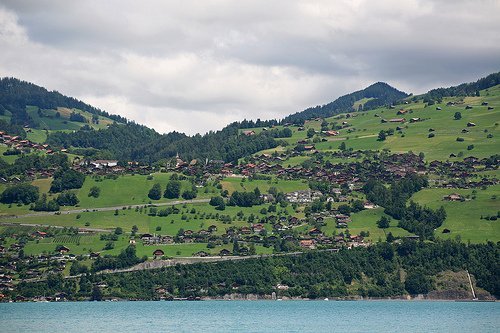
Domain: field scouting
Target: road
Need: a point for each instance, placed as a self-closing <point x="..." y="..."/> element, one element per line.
<point x="103" y="209"/>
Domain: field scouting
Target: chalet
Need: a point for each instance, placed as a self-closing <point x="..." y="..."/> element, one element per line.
<point x="331" y="133"/>
<point x="99" y="164"/>
<point x="258" y="228"/>
<point x="315" y="232"/>
<point x="147" y="237"/>
<point x="63" y="249"/>
<point x="469" y="124"/>
<point x="41" y="234"/>
<point x="224" y="252"/>
<point x="453" y="197"/>
<point x="201" y="254"/>
<point x="484" y="103"/>
<point x="158" y="253"/>
<point x="309" y="147"/>
<point x="414" y="120"/>
<point x="282" y="287"/>
<point x="490" y="108"/>
<point x="397" y="120"/>
<point x="438" y="108"/>
<point x="468" y="107"/>
<point x="402" y="111"/>
<point x="369" y="205"/>
<point x="94" y="255"/>
<point x="465" y="130"/>
<point x="308" y="243"/>
<point x="248" y="133"/>
<point x="212" y="228"/>
<point x="245" y="230"/>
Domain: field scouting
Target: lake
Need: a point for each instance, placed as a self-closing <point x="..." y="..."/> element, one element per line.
<point x="251" y="316"/>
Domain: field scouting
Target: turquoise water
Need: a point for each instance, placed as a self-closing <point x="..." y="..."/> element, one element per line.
<point x="251" y="316"/>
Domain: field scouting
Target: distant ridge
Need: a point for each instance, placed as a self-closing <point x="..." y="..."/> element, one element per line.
<point x="15" y="95"/>
<point x="380" y="92"/>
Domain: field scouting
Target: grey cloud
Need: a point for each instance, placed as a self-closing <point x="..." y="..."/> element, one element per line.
<point x="165" y="63"/>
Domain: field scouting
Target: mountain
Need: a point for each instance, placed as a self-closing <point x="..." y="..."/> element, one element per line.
<point x="17" y="95"/>
<point x="378" y="94"/>
<point x="24" y="103"/>
<point x="464" y="89"/>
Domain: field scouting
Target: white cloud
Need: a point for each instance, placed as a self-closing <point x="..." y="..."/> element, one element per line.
<point x="195" y="66"/>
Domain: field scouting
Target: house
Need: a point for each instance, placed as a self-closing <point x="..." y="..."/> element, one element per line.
<point x="99" y="164"/>
<point x="331" y="133"/>
<point x="397" y="120"/>
<point x="248" y="133"/>
<point x="246" y="230"/>
<point x="257" y="228"/>
<point x="453" y="197"/>
<point x="224" y="252"/>
<point x="158" y="253"/>
<point x="212" y="228"/>
<point x="402" y="111"/>
<point x="63" y="249"/>
<point x="201" y="254"/>
<point x="469" y="124"/>
<point x="414" y="120"/>
<point x="315" y="232"/>
<point x="369" y="205"/>
<point x="308" y="243"/>
<point x="309" y="147"/>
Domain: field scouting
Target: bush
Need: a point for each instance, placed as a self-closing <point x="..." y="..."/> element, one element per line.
<point x="460" y="139"/>
<point x="94" y="192"/>
<point x="431" y="135"/>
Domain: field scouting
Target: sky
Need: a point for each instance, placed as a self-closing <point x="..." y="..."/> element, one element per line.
<point x="195" y="66"/>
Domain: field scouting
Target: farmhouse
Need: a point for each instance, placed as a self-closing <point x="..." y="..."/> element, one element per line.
<point x="453" y="197"/>
<point x="158" y="253"/>
<point x="248" y="133"/>
<point x="397" y="120"/>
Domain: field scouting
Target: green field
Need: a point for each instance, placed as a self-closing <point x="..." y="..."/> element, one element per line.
<point x="239" y="184"/>
<point x="464" y="218"/>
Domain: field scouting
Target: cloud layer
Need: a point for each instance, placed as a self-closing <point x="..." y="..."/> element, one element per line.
<point x="195" y="66"/>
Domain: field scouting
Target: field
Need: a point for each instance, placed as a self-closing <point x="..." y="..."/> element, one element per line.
<point x="239" y="184"/>
<point x="364" y="127"/>
<point x="464" y="218"/>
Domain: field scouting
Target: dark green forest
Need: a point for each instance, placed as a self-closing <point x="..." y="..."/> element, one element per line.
<point x="370" y="272"/>
<point x="382" y="94"/>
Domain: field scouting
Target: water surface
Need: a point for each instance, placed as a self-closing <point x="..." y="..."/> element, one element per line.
<point x="251" y="316"/>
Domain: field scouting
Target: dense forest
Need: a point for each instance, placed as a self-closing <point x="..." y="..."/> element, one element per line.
<point x="370" y="272"/>
<point x="139" y="143"/>
<point x="382" y="94"/>
<point x="15" y="95"/>
<point x="464" y="89"/>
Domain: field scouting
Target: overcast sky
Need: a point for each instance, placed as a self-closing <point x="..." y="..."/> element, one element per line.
<point x="194" y="66"/>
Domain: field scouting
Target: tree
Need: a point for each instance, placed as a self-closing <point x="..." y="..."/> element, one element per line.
<point x="310" y="132"/>
<point x="384" y="222"/>
<point x="96" y="294"/>
<point x="94" y="192"/>
<point x="342" y="146"/>
<point x="155" y="192"/>
<point x="381" y="135"/>
<point x="457" y="116"/>
<point x="67" y="179"/>
<point x="173" y="189"/>
<point x="67" y="199"/>
<point x="417" y="282"/>
<point x="216" y="201"/>
<point x="22" y="193"/>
